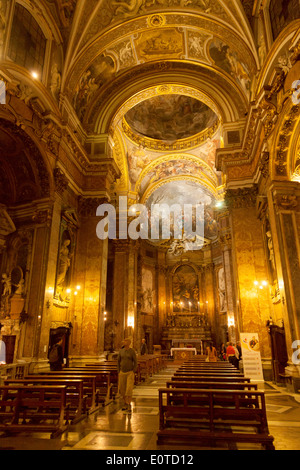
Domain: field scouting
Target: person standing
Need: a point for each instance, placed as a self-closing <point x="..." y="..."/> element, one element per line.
<point x="222" y="353"/>
<point x="56" y="356"/>
<point x="144" y="348"/>
<point x="127" y="366"/>
<point x="211" y="353"/>
<point x="231" y="354"/>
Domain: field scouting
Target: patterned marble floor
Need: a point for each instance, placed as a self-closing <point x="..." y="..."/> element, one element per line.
<point x="112" y="430"/>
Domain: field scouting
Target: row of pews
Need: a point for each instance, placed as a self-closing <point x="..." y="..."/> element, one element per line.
<point x="50" y="401"/>
<point x="207" y="404"/>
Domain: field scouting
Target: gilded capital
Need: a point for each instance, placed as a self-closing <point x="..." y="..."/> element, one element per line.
<point x="241" y="197"/>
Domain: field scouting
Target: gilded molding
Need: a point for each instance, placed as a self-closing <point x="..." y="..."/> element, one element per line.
<point x="285" y="202"/>
<point x="87" y="206"/>
<point x="60" y="180"/>
<point x="241" y="197"/>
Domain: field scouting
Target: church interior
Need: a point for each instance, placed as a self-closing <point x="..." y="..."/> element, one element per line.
<point x="120" y="106"/>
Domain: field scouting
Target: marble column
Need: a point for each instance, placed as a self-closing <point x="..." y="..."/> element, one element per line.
<point x="91" y="274"/>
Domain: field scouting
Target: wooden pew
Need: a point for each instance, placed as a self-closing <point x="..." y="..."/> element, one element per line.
<point x="221" y="385"/>
<point x="33" y="409"/>
<point x="210" y="378"/>
<point x="112" y="366"/>
<point x="208" y="373"/>
<point x="146" y="365"/>
<point x="75" y="400"/>
<point x="207" y="369"/>
<point x="89" y="385"/>
<point x="106" y="379"/>
<point x="211" y="365"/>
<point x="195" y="416"/>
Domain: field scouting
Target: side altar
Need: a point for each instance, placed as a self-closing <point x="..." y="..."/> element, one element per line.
<point x="191" y="333"/>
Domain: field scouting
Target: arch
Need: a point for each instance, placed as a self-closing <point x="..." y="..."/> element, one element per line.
<point x="206" y="173"/>
<point x="293" y="163"/>
<point x="30" y="178"/>
<point x="203" y="80"/>
<point x="285" y="141"/>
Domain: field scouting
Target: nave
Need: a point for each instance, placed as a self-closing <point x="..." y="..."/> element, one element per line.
<point x="109" y="429"/>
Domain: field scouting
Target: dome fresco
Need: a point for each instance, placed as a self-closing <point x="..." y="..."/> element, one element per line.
<point x="170" y="117"/>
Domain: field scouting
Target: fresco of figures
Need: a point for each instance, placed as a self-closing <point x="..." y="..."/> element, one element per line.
<point x="186" y="192"/>
<point x="172" y="168"/>
<point x="170" y="117"/>
<point x="229" y="61"/>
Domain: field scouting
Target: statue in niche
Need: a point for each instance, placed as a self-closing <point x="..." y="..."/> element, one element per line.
<point x="63" y="267"/>
<point x="6" y="281"/>
<point x="222" y="290"/>
<point x="20" y="288"/>
<point x="6" y="295"/>
<point x="55" y="80"/>
<point x="271" y="251"/>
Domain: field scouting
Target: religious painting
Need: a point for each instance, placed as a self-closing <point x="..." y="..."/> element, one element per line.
<point x="185" y="290"/>
<point x="229" y="61"/>
<point x="182" y="193"/>
<point x="146" y="297"/>
<point x="102" y="70"/>
<point x="170" y="117"/>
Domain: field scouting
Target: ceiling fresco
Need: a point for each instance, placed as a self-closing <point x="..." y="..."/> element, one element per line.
<point x="190" y="193"/>
<point x="175" y="167"/>
<point x="170" y="117"/>
<point x="159" y="44"/>
<point x="146" y="167"/>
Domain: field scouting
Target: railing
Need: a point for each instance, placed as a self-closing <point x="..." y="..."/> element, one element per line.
<point x="13" y="371"/>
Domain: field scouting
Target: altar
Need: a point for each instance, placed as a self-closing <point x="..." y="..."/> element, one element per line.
<point x="183" y="353"/>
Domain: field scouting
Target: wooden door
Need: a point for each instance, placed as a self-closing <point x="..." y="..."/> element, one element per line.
<point x="10" y="342"/>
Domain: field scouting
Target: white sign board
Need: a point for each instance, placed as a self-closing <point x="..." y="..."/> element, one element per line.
<point x="251" y="356"/>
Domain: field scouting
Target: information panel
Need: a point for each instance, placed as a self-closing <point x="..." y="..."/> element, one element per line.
<point x="251" y="356"/>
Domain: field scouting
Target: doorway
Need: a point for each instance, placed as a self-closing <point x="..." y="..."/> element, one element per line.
<point x="55" y="335"/>
<point x="10" y="342"/>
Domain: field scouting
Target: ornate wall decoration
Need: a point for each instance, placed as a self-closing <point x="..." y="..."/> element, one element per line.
<point x="153" y="44"/>
<point x="264" y="164"/>
<point x="102" y="71"/>
<point x="87" y="206"/>
<point x="285" y="202"/>
<point x="284" y="140"/>
<point x="241" y="197"/>
<point x="60" y="180"/>
<point x="197" y="45"/>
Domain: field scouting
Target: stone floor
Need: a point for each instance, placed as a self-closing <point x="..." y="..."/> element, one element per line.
<point x="112" y="430"/>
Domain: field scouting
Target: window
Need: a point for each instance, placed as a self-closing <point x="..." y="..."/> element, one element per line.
<point x="282" y="12"/>
<point x="27" y="42"/>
